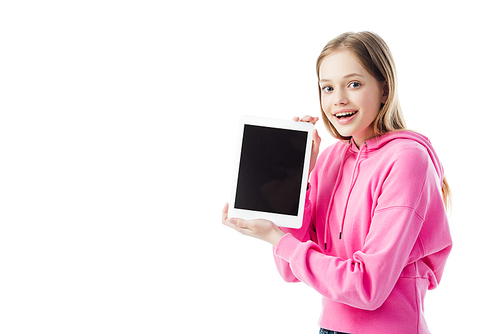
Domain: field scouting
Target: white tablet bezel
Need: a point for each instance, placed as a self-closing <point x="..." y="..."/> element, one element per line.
<point x="283" y="220"/>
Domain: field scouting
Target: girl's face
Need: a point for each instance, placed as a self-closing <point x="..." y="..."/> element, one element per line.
<point x="350" y="96"/>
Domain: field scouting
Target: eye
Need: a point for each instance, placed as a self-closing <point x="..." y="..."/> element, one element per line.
<point x="354" y="84"/>
<point x="327" y="89"/>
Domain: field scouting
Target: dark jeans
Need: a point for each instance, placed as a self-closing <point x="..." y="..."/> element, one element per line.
<point x="326" y="331"/>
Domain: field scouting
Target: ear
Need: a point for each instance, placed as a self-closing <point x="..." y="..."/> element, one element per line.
<point x="385" y="92"/>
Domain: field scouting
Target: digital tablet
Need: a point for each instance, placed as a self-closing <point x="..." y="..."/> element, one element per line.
<point x="271" y="170"/>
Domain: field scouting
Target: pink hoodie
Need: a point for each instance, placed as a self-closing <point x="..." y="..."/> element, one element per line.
<point x="375" y="235"/>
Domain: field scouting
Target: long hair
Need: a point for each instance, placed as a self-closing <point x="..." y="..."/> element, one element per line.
<point x="374" y="55"/>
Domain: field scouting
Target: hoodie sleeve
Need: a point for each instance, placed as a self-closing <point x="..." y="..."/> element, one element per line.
<point x="365" y="281"/>
<point x="305" y="233"/>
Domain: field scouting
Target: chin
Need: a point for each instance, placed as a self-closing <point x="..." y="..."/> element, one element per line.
<point x="343" y="132"/>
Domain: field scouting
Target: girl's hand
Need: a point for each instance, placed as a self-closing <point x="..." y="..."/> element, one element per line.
<point x="316" y="140"/>
<point x="258" y="228"/>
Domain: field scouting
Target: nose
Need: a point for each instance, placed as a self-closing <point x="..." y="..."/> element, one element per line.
<point x="340" y="98"/>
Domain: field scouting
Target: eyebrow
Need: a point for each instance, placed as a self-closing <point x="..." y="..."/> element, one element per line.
<point x="346" y="76"/>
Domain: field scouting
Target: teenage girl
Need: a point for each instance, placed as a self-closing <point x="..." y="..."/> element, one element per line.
<point x="375" y="235"/>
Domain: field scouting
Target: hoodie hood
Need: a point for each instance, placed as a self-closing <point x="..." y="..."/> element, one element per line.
<point x="378" y="142"/>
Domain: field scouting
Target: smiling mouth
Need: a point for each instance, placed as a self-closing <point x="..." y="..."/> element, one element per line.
<point x="345" y="114"/>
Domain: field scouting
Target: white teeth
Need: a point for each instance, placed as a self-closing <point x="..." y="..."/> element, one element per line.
<point x="349" y="113"/>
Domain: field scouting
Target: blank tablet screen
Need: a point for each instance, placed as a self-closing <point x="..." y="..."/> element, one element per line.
<point x="270" y="170"/>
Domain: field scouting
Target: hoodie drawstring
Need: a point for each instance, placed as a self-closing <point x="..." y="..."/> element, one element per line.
<point x="337" y="182"/>
<point x="351" y="185"/>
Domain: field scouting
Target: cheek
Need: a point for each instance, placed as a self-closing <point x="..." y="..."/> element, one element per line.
<point x="326" y="107"/>
<point x="370" y="104"/>
<point x="327" y="103"/>
<point x="324" y="103"/>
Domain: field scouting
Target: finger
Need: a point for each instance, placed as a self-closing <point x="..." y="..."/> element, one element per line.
<point x="225" y="212"/>
<point x="306" y="118"/>
<point x="239" y="223"/>
<point x="295" y="119"/>
<point x="230" y="223"/>
<point x="309" y="119"/>
<point x="314" y="120"/>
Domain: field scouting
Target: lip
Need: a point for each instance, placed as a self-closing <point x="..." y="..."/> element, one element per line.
<point x="345" y="120"/>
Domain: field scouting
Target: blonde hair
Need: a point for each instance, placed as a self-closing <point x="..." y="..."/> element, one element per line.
<point x="374" y="55"/>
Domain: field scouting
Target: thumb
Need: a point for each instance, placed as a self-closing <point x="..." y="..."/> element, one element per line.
<point x="316" y="141"/>
<point x="316" y="137"/>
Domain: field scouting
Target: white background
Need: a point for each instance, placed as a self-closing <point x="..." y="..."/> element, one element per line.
<point x="117" y="124"/>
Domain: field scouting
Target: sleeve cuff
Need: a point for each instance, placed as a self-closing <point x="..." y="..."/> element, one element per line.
<point x="286" y="246"/>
